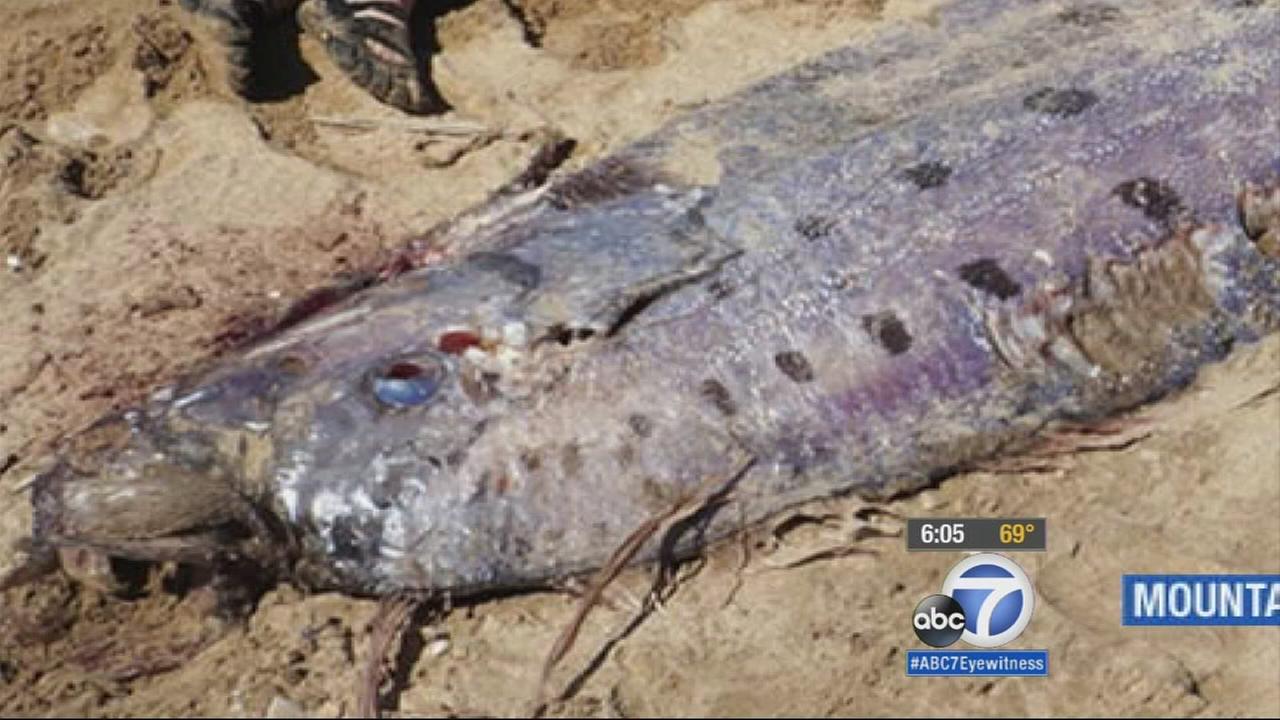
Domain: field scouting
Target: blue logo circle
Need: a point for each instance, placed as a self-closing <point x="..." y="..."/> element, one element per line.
<point x="996" y="595"/>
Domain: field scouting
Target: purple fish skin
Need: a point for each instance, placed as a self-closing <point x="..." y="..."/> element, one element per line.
<point x="890" y="263"/>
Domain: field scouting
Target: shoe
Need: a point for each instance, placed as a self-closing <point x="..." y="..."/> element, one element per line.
<point x="369" y="40"/>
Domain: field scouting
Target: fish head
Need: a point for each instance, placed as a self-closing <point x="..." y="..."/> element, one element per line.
<point x="147" y="484"/>
<point x="223" y="463"/>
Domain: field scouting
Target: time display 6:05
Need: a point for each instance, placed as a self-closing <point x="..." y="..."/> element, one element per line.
<point x="942" y="533"/>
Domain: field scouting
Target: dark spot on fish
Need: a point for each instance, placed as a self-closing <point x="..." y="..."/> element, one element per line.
<point x="887" y="329"/>
<point x="456" y="342"/>
<point x="571" y="460"/>
<point x="626" y="454"/>
<point x="482" y="484"/>
<point x="509" y="268"/>
<point x="565" y="335"/>
<point x="657" y="494"/>
<point x="383" y="494"/>
<point x="502" y="484"/>
<point x="840" y="279"/>
<point x="810" y="74"/>
<point x="292" y="365"/>
<point x="1155" y="198"/>
<point x="1249" y="3"/>
<point x="720" y="288"/>
<point x="560" y="333"/>
<point x="456" y="457"/>
<point x="928" y="175"/>
<point x="814" y="227"/>
<point x="986" y="275"/>
<point x="794" y="365"/>
<point x="641" y="425"/>
<point x="354" y="540"/>
<point x="605" y="181"/>
<point x="798" y="454"/>
<point x="531" y="460"/>
<point x="1060" y="102"/>
<point x="715" y="391"/>
<point x="520" y="546"/>
<point x="1089" y="14"/>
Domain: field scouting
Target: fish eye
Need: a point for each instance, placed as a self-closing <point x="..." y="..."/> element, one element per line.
<point x="408" y="382"/>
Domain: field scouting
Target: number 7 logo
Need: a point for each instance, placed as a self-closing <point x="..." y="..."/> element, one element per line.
<point x="996" y="595"/>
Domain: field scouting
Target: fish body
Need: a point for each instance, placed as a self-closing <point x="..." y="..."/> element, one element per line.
<point x="890" y="263"/>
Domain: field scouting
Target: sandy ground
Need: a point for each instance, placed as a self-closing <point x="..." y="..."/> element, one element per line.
<point x="150" y="219"/>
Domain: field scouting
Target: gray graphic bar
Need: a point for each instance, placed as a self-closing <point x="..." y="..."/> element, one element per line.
<point x="976" y="534"/>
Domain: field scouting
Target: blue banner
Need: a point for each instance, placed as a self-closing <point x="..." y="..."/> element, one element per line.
<point x="1200" y="600"/>
<point x="977" y="663"/>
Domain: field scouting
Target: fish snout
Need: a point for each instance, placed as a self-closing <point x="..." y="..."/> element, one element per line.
<point x="141" y="491"/>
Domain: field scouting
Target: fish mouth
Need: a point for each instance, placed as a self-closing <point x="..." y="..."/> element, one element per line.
<point x="118" y="498"/>
<point x="225" y="559"/>
<point x="156" y="515"/>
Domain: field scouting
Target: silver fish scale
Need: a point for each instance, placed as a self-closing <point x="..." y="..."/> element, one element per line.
<point x="893" y="261"/>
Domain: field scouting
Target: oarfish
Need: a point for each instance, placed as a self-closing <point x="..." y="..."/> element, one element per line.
<point x="887" y="264"/>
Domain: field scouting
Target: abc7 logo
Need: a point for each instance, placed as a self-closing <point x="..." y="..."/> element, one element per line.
<point x="986" y="601"/>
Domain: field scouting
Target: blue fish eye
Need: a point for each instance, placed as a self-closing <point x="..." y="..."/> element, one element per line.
<point x="408" y="382"/>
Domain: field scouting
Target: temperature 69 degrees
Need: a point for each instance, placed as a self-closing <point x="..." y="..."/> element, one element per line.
<point x="1016" y="533"/>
